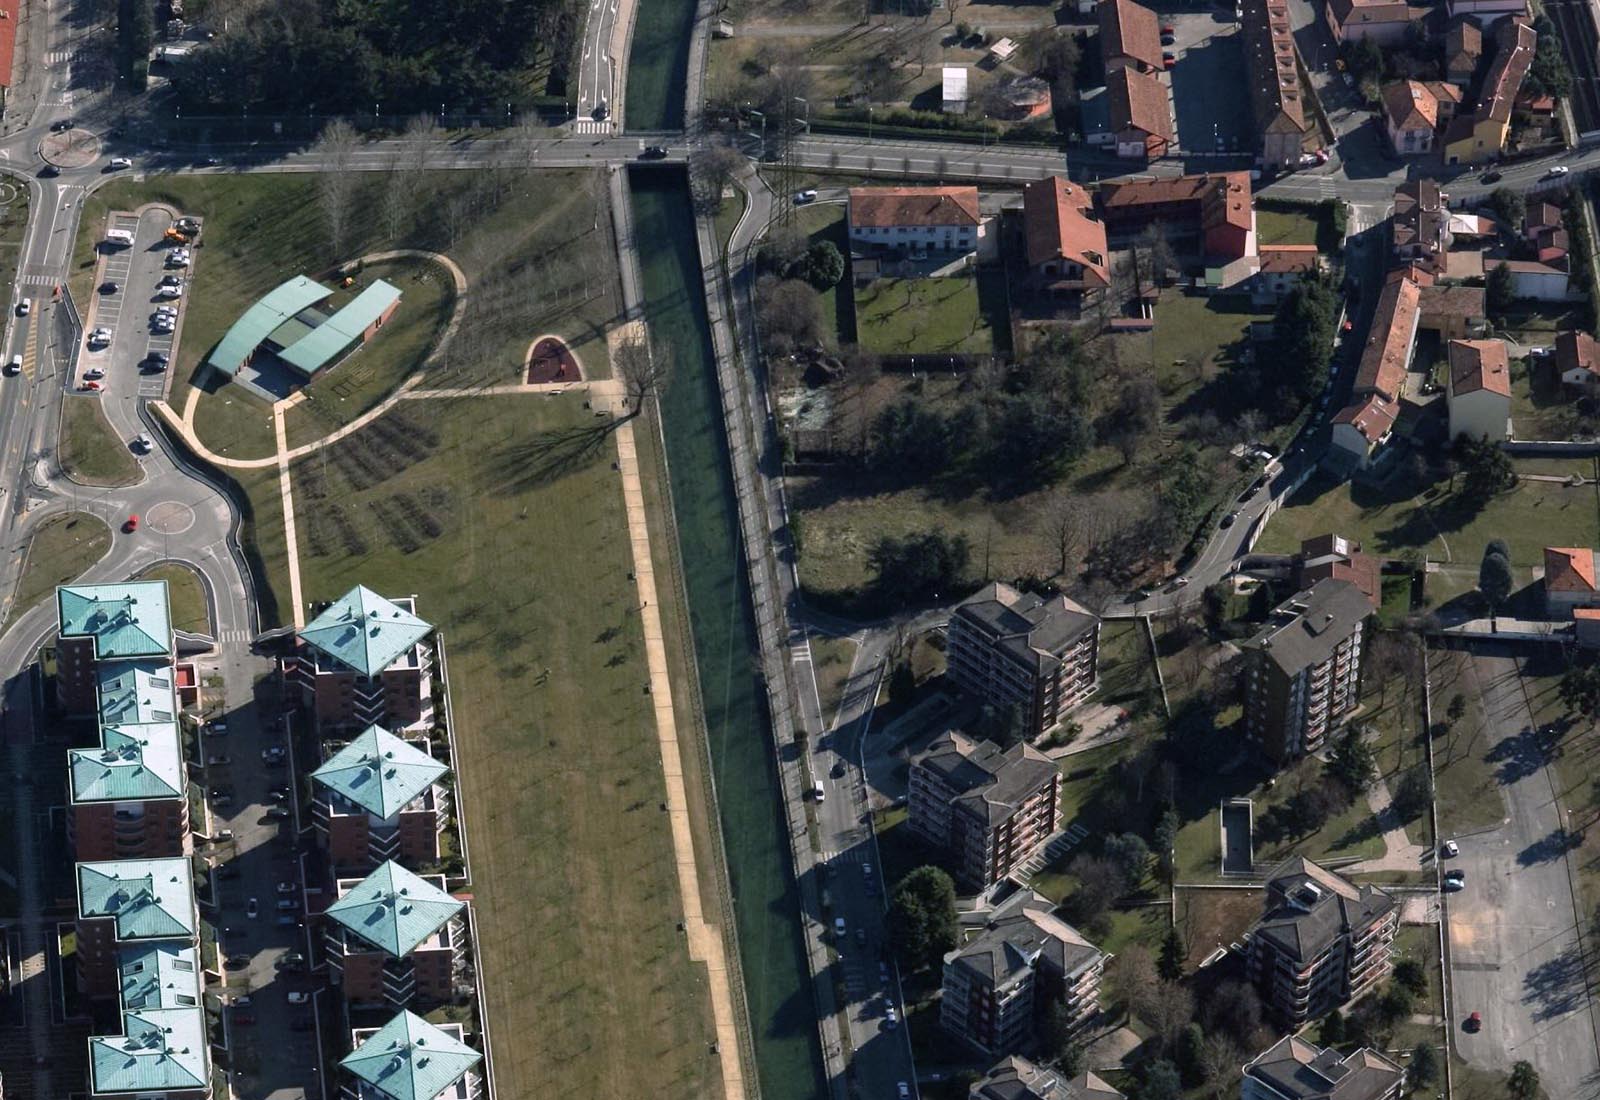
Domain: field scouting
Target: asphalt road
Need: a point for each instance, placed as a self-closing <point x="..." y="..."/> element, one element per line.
<point x="1514" y="955"/>
<point x="596" y="70"/>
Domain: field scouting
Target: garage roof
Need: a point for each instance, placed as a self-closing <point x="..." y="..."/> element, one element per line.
<point x="313" y="351"/>
<point x="256" y="323"/>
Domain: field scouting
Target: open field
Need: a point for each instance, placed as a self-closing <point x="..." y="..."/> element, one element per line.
<point x="1285" y="225"/>
<point x="1468" y="792"/>
<point x="1213" y="918"/>
<point x="90" y="452"/>
<point x="1539" y="408"/>
<point x="506" y="519"/>
<point x="831" y="659"/>
<point x="957" y="314"/>
<point x="535" y="247"/>
<point x="186" y="597"/>
<point x="58" y="552"/>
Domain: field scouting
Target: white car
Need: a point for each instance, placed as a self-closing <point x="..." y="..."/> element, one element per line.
<point x="1539" y="350"/>
<point x="119" y="163"/>
<point x="1450" y="849"/>
<point x="178" y="259"/>
<point x="99" y="337"/>
<point x="902" y="1091"/>
<point x="142" y="441"/>
<point x="94" y="373"/>
<point x="171" y="290"/>
<point x="803" y="197"/>
<point x="286" y="887"/>
<point x="1558" y="170"/>
<point x="296" y="997"/>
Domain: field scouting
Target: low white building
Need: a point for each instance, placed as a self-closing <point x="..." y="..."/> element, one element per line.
<point x="917" y="219"/>
<point x="1539" y="282"/>
<point x="1360" y="430"/>
<point x="955" y="89"/>
<point x="1478" y="390"/>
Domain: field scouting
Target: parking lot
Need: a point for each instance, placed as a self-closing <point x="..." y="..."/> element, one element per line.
<point x="127" y="303"/>
<point x="1209" y="95"/>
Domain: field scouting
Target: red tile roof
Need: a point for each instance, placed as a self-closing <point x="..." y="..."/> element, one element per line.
<point x="1479" y="365"/>
<point x="1286" y="259"/>
<point x="1577" y="351"/>
<point x="1568" y="569"/>
<point x="1059" y="224"/>
<point x="1139" y="102"/>
<point x="1129" y="30"/>
<point x="1394" y="327"/>
<point x="1586" y="612"/>
<point x="1373" y="418"/>
<point x="1510" y="68"/>
<point x="10" y="12"/>
<point x="1365" y="13"/>
<point x="925" y="206"/>
<point x="1409" y="105"/>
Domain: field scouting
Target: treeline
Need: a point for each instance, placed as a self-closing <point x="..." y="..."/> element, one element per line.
<point x="327" y="57"/>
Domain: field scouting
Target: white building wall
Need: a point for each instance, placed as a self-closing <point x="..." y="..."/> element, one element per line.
<point x="1480" y="415"/>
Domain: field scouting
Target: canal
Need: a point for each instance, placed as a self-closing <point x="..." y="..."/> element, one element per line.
<point x="766" y="902"/>
<point x="658" y="65"/>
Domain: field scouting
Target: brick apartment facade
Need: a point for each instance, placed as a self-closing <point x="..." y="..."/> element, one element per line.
<point x="396" y="939"/>
<point x="1012" y="648"/>
<point x="1320" y="941"/>
<point x="1020" y="959"/>
<point x="1303" y="669"/>
<point x="378" y="798"/>
<point x="986" y="808"/>
<point x="365" y="660"/>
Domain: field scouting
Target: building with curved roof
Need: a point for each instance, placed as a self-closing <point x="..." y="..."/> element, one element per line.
<point x="287" y="322"/>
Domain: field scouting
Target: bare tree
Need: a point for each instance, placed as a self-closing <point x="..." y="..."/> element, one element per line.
<point x="1064" y="520"/>
<point x="525" y="137"/>
<point x="711" y="169"/>
<point x="421" y="138"/>
<point x="644" y="367"/>
<point x="396" y="201"/>
<point x="336" y="183"/>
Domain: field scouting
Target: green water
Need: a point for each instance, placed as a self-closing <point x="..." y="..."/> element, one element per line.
<point x="658" y="64"/>
<point x="766" y="904"/>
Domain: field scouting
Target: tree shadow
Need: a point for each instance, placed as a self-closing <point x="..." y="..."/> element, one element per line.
<point x="1523" y="753"/>
<point x="1556" y="987"/>
<point x="548" y="457"/>
<point x="1550" y="847"/>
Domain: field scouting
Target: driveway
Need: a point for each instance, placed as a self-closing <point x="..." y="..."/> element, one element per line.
<point x="1512" y="930"/>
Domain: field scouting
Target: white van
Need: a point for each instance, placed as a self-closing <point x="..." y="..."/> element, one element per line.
<point x="119" y="238"/>
<point x="817" y="792"/>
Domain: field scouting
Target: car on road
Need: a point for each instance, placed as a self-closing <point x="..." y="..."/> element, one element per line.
<point x="252" y="908"/>
<point x="91" y="373"/>
<point x="242" y="1001"/>
<point x="902" y="1091"/>
<point x="1473" y="1022"/>
<point x="1558" y="170"/>
<point x="24" y="307"/>
<point x="218" y="760"/>
<point x="297" y="997"/>
<point x="142" y="442"/>
<point x="1449" y="849"/>
<point x="288" y="920"/>
<point x="600" y="112"/>
<point x="92" y="387"/>
<point x="279" y="795"/>
<point x="1168" y="60"/>
<point x="62" y="124"/>
<point x="286" y="887"/>
<point x="272" y="752"/>
<point x="14" y="365"/>
<point x="837" y="771"/>
<point x="1455" y="880"/>
<point x="838" y="927"/>
<point x="236" y="962"/>
<point x="803" y="197"/>
<point x="653" y="152"/>
<point x="49" y="172"/>
<point x="891" y="1018"/>
<point x="1228" y="520"/>
<point x="131" y="524"/>
<point x="222" y="836"/>
<point x="117" y="164"/>
<point x="1539" y="350"/>
<point x="1491" y="176"/>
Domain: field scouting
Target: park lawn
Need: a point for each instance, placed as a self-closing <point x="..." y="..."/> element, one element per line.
<point x="1213" y="917"/>
<point x="831" y="662"/>
<point x="1127" y="666"/>
<point x="1401" y="515"/>
<point x="1285" y="225"/>
<point x="506" y="519"/>
<point x="59" y="551"/>
<point x="923" y="316"/>
<point x="90" y="452"/>
<point x="1539" y="408"/>
<point x="186" y="597"/>
<point x="1195" y="337"/>
<point x="826" y="222"/>
<point x="536" y="248"/>
<point x="1466" y="787"/>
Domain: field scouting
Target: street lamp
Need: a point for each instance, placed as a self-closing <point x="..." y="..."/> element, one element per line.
<point x="807" y="104"/>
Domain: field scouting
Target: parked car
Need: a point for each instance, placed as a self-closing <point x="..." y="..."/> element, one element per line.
<point x="292" y="961"/>
<point x="287" y="887"/>
<point x="838" y="927"/>
<point x="286" y="904"/>
<point x="169" y="291"/>
<point x="803" y="197"/>
<point x="61" y="124"/>
<point x="1449" y="849"/>
<point x="236" y="962"/>
<point x="298" y="997"/>
<point x="218" y="760"/>
<point x="1168" y="60"/>
<point x="902" y="1091"/>
<point x="891" y="1018"/>
<point x="94" y="373"/>
<point x="252" y="908"/>
<point x="278" y="812"/>
<point x="1473" y="1022"/>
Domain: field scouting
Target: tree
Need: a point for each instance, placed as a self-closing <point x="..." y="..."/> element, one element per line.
<point x="1057" y="1028"/>
<point x="1411" y="797"/>
<point x="1410" y="974"/>
<point x="336" y="182"/>
<point x="1485" y="469"/>
<point x="1579" y="690"/>
<point x="1031" y="440"/>
<point x="1353" y="763"/>
<point x="1133" y="983"/>
<point x="1052" y="55"/>
<point x="784" y="248"/>
<point x="824" y="267"/>
<point x="1509" y="207"/>
<point x="1166" y="838"/>
<point x="1394" y="1005"/>
<point x="1066" y="520"/>
<point x="1161" y="1081"/>
<point x="1131" y="856"/>
<point x="711" y="169"/>
<point x="902" y="683"/>
<point x="1235" y="1009"/>
<point x="1136" y="415"/>
<point x="1523" y="1084"/>
<point x="789" y="313"/>
<point x="1495" y="579"/>
<point x="1500" y="292"/>
<point x="1191" y="1054"/>
<point x="922" y="917"/>
<point x="1172" y="954"/>
<point x="1457" y="709"/>
<point x="1168" y="1013"/>
<point x="1099" y="883"/>
<point x="1424" y="1069"/>
<point x="1304" y="326"/>
<point x="1333" y="1028"/>
<point x="917" y="567"/>
<point x="644" y="367"/>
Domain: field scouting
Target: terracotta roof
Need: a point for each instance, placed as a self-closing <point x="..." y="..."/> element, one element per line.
<point x="1139" y="102"/>
<point x="1419" y="216"/>
<point x="1463" y="46"/>
<point x="1059" y="223"/>
<point x="1452" y="301"/>
<point x="10" y="12"/>
<point x="1577" y="351"/>
<point x="1586" y="612"/>
<point x="1479" y="365"/>
<point x="1409" y="105"/>
<point x="1368" y="12"/>
<point x="1568" y="569"/>
<point x="1269" y="66"/>
<point x="1373" y="418"/>
<point x="1539" y="215"/>
<point x="1286" y="259"/>
<point x="1394" y="327"/>
<point x="1416" y="272"/>
<point x="1516" y="41"/>
<point x="1217" y="197"/>
<point x="892" y="206"/>
<point x="1130" y="30"/>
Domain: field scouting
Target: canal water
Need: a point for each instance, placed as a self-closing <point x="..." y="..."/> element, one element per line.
<point x="766" y="905"/>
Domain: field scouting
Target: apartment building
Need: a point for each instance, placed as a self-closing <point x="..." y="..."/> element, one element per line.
<point x="128" y="797"/>
<point x="1320" y="941"/>
<point x="1478" y="390"/>
<point x="129" y="903"/>
<point x="1141" y="113"/>
<point x="986" y="808"/>
<point x="1013" y="648"/>
<point x="1016" y="1078"/>
<point x="1277" y="105"/>
<point x="411" y="1059"/>
<point x="1295" y="1069"/>
<point x="1214" y="209"/>
<point x="921" y="219"/>
<point x="1362" y="427"/>
<point x="1014" y="964"/>
<point x="365" y="660"/>
<point x="1420" y="227"/>
<point x="1303" y="668"/>
<point x="106" y="623"/>
<point x="378" y="798"/>
<point x="1065" y="241"/>
<point x="396" y="939"/>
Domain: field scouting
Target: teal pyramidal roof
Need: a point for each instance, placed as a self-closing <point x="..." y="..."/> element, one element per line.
<point x="134" y="763"/>
<point x="410" y="1059"/>
<point x="379" y="772"/>
<point x="159" y="975"/>
<point x="125" y="620"/>
<point x="150" y="899"/>
<point x="160" y="1050"/>
<point x="394" y="909"/>
<point x="364" y="631"/>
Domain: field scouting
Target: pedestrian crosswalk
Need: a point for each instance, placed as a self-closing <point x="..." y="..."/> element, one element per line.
<point x="39" y="280"/>
<point x="234" y="636"/>
<point x="591" y="126"/>
<point x="57" y="57"/>
<point x="856" y="854"/>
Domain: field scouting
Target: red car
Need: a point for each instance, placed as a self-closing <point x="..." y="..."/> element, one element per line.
<point x="91" y="387"/>
<point x="1168" y="28"/>
<point x="1168" y="60"/>
<point x="132" y="525"/>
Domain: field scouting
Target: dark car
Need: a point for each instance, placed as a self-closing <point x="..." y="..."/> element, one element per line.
<point x="600" y="112"/>
<point x="227" y="870"/>
<point x="237" y="962"/>
<point x="109" y="287"/>
<point x="61" y="124"/>
<point x="1227" y="520"/>
<point x="49" y="172"/>
<point x="654" y="152"/>
<point x="1491" y="176"/>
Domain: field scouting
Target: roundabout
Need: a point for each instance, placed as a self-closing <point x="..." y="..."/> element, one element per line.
<point x="170" y="517"/>
<point x="73" y="148"/>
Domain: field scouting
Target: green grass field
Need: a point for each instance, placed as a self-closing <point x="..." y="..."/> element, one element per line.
<point x="506" y="519"/>
<point x="186" y="597"/>
<point x="1467" y="790"/>
<point x="923" y="316"/>
<point x="1285" y="225"/>
<point x="58" y="552"/>
<point x="13" y="224"/>
<point x="90" y="452"/>
<point x="536" y="248"/>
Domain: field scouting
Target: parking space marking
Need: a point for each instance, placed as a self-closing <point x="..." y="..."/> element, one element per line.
<point x="30" y="350"/>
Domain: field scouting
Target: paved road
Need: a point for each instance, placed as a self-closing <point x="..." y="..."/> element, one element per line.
<point x="1514" y="954"/>
<point x="598" y="93"/>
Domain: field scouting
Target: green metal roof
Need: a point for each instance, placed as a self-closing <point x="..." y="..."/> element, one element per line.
<point x="379" y="772"/>
<point x="364" y="631"/>
<point x="313" y="351"/>
<point x="125" y="620"/>
<point x="159" y="975"/>
<point x="136" y="693"/>
<point x="394" y="909"/>
<point x="411" y="1059"/>
<point x="133" y="763"/>
<point x="257" y="322"/>
<point x="160" y="1050"/>
<point x="151" y="899"/>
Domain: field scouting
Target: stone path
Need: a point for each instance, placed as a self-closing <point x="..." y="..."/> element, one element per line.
<point x="1400" y="853"/>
